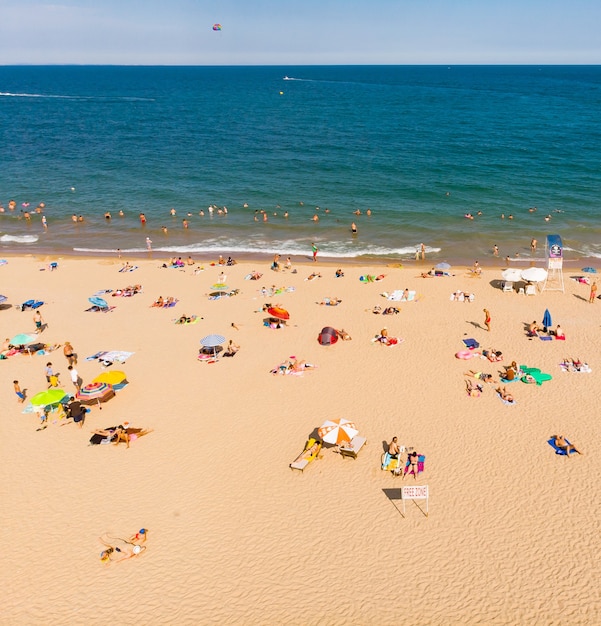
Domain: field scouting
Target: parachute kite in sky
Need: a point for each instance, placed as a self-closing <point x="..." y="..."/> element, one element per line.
<point x="216" y="26"/>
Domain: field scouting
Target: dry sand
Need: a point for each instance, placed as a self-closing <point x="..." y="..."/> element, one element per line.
<point x="235" y="536"/>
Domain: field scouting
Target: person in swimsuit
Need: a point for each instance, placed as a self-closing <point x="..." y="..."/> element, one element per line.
<point x="69" y="353"/>
<point x="561" y="443"/>
<point x="413" y="459"/>
<point x="394" y="449"/>
<point x="487" y="319"/>
<point x="505" y="395"/>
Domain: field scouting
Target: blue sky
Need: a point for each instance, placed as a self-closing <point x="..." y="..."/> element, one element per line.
<point x="293" y="32"/>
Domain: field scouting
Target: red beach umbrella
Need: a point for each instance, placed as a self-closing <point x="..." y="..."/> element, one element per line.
<point x="278" y="312"/>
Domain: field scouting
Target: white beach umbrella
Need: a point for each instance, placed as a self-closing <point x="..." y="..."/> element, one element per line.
<point x="512" y="274"/>
<point x="534" y="274"/>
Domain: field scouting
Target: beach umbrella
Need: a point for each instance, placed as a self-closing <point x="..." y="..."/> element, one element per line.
<point x="278" y="312"/>
<point x="512" y="274"/>
<point x="50" y="396"/>
<point x="337" y="431"/>
<point x="534" y="274"/>
<point x="23" y="338"/>
<point x="114" y="377"/>
<point x="212" y="341"/>
<point x="99" y="302"/>
<point x="95" y="392"/>
<point x="3" y="299"/>
<point x="443" y="266"/>
<point x="547" y="323"/>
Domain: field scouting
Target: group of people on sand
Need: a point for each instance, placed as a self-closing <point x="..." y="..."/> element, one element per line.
<point x="292" y="366"/>
<point x="164" y="302"/>
<point x="412" y="463"/>
<point x="117" y="549"/>
<point x="534" y="329"/>
<point x="130" y="290"/>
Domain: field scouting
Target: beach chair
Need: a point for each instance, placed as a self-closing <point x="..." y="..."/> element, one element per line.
<point x="507" y="287"/>
<point x="310" y="453"/>
<point x="352" y="449"/>
<point x="530" y="290"/>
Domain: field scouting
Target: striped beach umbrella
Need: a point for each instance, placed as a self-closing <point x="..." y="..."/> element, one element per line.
<point x="337" y="431"/>
<point x="95" y="392"/>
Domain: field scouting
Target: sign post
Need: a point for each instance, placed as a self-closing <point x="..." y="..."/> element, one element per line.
<point x="554" y="253"/>
<point x="415" y="492"/>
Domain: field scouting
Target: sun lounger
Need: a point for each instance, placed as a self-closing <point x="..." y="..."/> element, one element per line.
<point x="310" y="453"/>
<point x="31" y="304"/>
<point x="352" y="449"/>
<point x="559" y="451"/>
<point x="507" y="286"/>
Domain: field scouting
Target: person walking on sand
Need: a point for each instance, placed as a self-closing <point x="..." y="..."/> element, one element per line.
<point x="487" y="319"/>
<point x="148" y="244"/>
<point x="20" y="394"/>
<point x="69" y="353"/>
<point x="593" y="293"/>
<point x="315" y="250"/>
<point x="75" y="377"/>
<point x="38" y="320"/>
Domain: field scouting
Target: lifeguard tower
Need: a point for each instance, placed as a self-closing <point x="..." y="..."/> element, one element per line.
<point x="554" y="254"/>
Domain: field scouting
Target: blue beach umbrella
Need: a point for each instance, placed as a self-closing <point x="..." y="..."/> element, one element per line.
<point x="22" y="339"/>
<point x="3" y="299"/>
<point x="99" y="302"/>
<point x="547" y="323"/>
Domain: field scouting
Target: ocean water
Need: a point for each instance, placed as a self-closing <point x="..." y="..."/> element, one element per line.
<point x="421" y="146"/>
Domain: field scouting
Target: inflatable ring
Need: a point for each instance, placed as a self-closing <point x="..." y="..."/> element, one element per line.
<point x="464" y="354"/>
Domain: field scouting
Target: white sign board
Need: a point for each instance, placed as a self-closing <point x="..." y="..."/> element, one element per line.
<point x="415" y="492"/>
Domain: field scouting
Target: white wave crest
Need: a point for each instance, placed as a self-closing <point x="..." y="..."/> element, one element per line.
<point x="18" y="238"/>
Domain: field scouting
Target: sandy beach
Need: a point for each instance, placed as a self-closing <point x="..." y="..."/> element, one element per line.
<point x="237" y="537"/>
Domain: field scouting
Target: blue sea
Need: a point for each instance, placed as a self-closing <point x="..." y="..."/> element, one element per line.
<point x="419" y="146"/>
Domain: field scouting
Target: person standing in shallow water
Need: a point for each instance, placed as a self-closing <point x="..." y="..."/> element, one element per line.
<point x="315" y="250"/>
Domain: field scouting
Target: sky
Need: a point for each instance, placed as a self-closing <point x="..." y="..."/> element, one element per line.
<point x="299" y="32"/>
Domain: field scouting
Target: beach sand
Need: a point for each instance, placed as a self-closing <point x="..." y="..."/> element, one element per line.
<point x="235" y="536"/>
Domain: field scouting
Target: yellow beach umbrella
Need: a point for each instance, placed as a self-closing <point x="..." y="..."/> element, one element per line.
<point x="114" y="377"/>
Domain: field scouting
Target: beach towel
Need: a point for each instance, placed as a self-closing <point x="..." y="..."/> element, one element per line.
<point x="471" y="343"/>
<point x="397" y="296"/>
<point x="116" y="356"/>
<point x="99" y="309"/>
<point x="193" y="320"/>
<point x="505" y="401"/>
<point x="538" y="377"/>
<point x="545" y="337"/>
<point x="582" y="369"/>
<point x="170" y="304"/>
<point x="559" y="451"/>
<point x="390" y="463"/>
<point x="128" y="269"/>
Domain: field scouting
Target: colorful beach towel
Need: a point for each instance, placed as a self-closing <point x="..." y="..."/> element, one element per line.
<point x="471" y="343"/>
